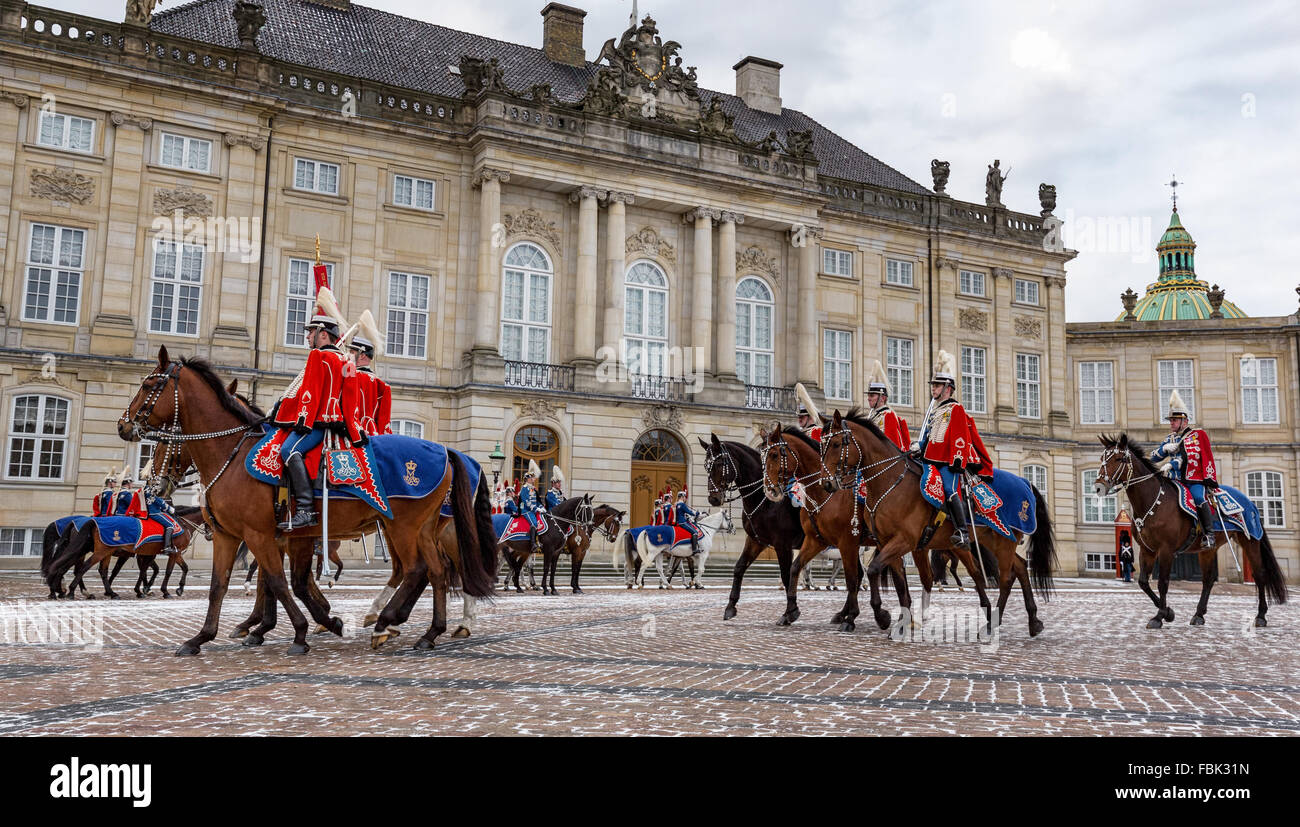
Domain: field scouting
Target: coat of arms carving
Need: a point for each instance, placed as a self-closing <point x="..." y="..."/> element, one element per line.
<point x="183" y="198"/>
<point x="62" y="184"/>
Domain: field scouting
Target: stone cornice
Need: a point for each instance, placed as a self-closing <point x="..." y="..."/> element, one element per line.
<point x="485" y="174"/>
<point x="121" y="118"/>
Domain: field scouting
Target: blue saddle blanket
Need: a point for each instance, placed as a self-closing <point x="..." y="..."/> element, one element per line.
<point x="127" y="531"/>
<point x="475" y="471"/>
<point x="76" y="521"/>
<point x="1005" y="504"/>
<point x="388" y="466"/>
<point x="1233" y="510"/>
<point x="666" y="535"/>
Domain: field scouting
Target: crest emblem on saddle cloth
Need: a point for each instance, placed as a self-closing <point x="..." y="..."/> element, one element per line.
<point x="343" y="466"/>
<point x="985" y="498"/>
<point x="117" y="536"/>
<point x="1024" y="511"/>
<point x="410" y="478"/>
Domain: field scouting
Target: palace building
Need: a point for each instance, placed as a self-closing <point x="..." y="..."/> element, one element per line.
<point x="581" y="256"/>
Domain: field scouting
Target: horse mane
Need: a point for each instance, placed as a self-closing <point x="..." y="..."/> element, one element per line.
<point x="1140" y="453"/>
<point x="566" y="508"/>
<point x="799" y="434"/>
<point x="248" y="403"/>
<point x="859" y="417"/>
<point x="229" y="403"/>
<point x="189" y="511"/>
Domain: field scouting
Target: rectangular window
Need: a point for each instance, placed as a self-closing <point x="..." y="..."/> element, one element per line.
<point x="1026" y="291"/>
<point x="1027" y="386"/>
<point x="898" y="272"/>
<point x="898" y="367"/>
<point x="1099" y="561"/>
<point x="316" y="176"/>
<point x="1096" y="393"/>
<point x="1259" y="391"/>
<point x="66" y="132"/>
<point x="182" y="152"/>
<point x="1097" y="509"/>
<point x="1037" y="476"/>
<point x="1176" y="375"/>
<point x="408" y="314"/>
<point x="972" y="283"/>
<point x="973" y="360"/>
<point x="837" y="262"/>
<point x="38" y="436"/>
<point x="176" y="288"/>
<point x="1265" y="490"/>
<point x="837" y="364"/>
<point x="408" y="427"/>
<point x="412" y="192"/>
<point x="301" y="299"/>
<point x="55" y="264"/>
<point x="20" y="542"/>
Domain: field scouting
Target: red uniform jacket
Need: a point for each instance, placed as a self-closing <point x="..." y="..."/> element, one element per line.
<point x="894" y="427"/>
<point x="324" y="394"/>
<point x="658" y="516"/>
<point x="374" y="403"/>
<point x="953" y="440"/>
<point x="103" y="504"/>
<point x="1200" y="459"/>
<point x="136" y="507"/>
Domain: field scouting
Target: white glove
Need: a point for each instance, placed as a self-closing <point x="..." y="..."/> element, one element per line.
<point x="916" y="446"/>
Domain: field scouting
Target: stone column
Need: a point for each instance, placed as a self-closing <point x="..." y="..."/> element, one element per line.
<point x="1055" y="399"/>
<point x="726" y="314"/>
<point x="584" y="322"/>
<point x="1000" y="384"/>
<point x="702" y="301"/>
<point x="489" y="252"/>
<point x="237" y="279"/>
<point x="806" y="317"/>
<point x="9" y="119"/>
<point x="113" y="330"/>
<point x="616" y="266"/>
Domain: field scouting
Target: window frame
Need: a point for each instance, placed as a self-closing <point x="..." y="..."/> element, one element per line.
<point x="1098" y="503"/>
<point x="894" y="372"/>
<point x="1259" y="389"/>
<point x="968" y="400"/>
<point x="180" y="248"/>
<point x="983" y="283"/>
<point x="1097" y="390"/>
<point x="316" y="165"/>
<point x="898" y="281"/>
<point x="841" y="256"/>
<point x="523" y="323"/>
<point x="751" y="307"/>
<point x="300" y="342"/>
<point x="187" y="142"/>
<point x="834" y="332"/>
<point x="394" y="344"/>
<point x="32" y="542"/>
<point x="1035" y="384"/>
<point x="56" y="270"/>
<point x="1265" y="498"/>
<point x="1163" y="391"/>
<point x="644" y="368"/>
<point x="66" y="132"/>
<point x="38" y="436"/>
<point x="415" y="182"/>
<point x="398" y="425"/>
<point x="1024" y="472"/>
<point x="1015" y="296"/>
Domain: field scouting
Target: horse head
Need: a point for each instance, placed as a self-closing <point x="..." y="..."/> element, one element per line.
<point x="152" y="407"/>
<point x="840" y="443"/>
<point x="1116" y="464"/>
<point x="719" y="469"/>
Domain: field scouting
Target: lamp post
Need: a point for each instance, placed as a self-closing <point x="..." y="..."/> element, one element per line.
<point x="498" y="463"/>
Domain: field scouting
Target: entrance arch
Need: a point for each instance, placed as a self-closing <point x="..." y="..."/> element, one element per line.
<point x="535" y="442"/>
<point x="658" y="462"/>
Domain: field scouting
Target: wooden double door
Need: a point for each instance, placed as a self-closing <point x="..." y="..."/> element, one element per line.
<point x="648" y="479"/>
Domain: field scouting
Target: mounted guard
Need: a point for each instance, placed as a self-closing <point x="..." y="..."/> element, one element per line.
<point x="160" y="511"/>
<point x="528" y="503"/>
<point x="667" y="514"/>
<point x="555" y="495"/>
<point x="1190" y="461"/>
<point x="810" y="419"/>
<point x="322" y="398"/>
<point x="949" y="445"/>
<point x="881" y="415"/>
<point x="657" y="513"/>
<point x="130" y="502"/>
<point x="685" y="516"/>
<point x="374" y="396"/>
<point x="105" y="501"/>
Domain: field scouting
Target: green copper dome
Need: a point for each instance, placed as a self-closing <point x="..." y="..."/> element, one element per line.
<point x="1177" y="293"/>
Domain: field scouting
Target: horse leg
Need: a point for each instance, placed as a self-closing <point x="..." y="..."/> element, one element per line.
<point x="241" y="631"/>
<point x="884" y="558"/>
<point x="1146" y="563"/>
<point x="167" y="575"/>
<point x="224" y="547"/>
<point x="278" y="585"/>
<point x="811" y="548"/>
<point x="1253" y="550"/>
<point x="385" y="594"/>
<point x="922" y="562"/>
<point x="141" y="587"/>
<point x="468" y="616"/>
<point x="307" y="591"/>
<point x="153" y="574"/>
<point x="852" y="576"/>
<point x="576" y="564"/>
<point x="747" y="555"/>
<point x="1209" y="574"/>
<point x="1166" y="571"/>
<point x="337" y="561"/>
<point x="977" y="577"/>
<point x="415" y="576"/>
<point x="439" y="624"/>
<point x="185" y="571"/>
<point x="1022" y="574"/>
<point x="109" y="578"/>
<point x="266" y="614"/>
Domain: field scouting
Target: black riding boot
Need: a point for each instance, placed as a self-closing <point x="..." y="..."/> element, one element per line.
<point x="695" y="545"/>
<point x="167" y="547"/>
<point x="537" y="542"/>
<point x="1207" y="524"/>
<point x="960" y="534"/>
<point x="303" y="496"/>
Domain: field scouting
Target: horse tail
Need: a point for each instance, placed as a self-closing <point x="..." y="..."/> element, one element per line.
<point x="471" y="511"/>
<point x="81" y="544"/>
<point x="1270" y="577"/>
<point x="48" y="543"/>
<point x="1042" y="548"/>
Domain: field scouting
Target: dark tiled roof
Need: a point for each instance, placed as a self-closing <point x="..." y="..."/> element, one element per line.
<point x="388" y="48"/>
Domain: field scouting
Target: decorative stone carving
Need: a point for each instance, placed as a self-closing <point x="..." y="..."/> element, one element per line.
<point x="183" y="198"/>
<point x="1047" y="198"/>
<point x="641" y="483"/>
<point x="939" y="172"/>
<point x="1215" y="297"/>
<point x="120" y="118"/>
<point x="1003" y="272"/>
<point x="715" y="123"/>
<point x="755" y="259"/>
<point x="250" y="17"/>
<point x="588" y="192"/>
<point x="968" y="318"/>
<point x="489" y="174"/>
<point x="480" y="76"/>
<point x="623" y="197"/>
<point x="1130" y="299"/>
<point x="662" y="416"/>
<point x="800" y="144"/>
<point x="531" y="223"/>
<point x="18" y="99"/>
<point x="603" y="94"/>
<point x="140" y="12"/>
<point x="701" y="212"/>
<point x="947" y="262"/>
<point x="540" y="409"/>
<point x="1028" y="328"/>
<point x="733" y="217"/>
<point x="62" y="184"/>
<point x="993" y="182"/>
<point x="543" y="94"/>
<point x="647" y="241"/>
<point x="252" y="142"/>
<point x="641" y="60"/>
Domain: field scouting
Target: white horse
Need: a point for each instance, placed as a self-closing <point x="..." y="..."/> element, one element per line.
<point x="709" y="525"/>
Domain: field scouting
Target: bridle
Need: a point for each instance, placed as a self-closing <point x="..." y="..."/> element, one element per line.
<point x="1124" y="458"/>
<point x="724" y="491"/>
<point x="859" y="480"/>
<point x="789" y="471"/>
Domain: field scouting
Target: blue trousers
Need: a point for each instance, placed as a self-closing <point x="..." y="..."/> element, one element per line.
<point x="531" y="517"/>
<point x="296" y="443"/>
<point x="1198" y="491"/>
<point x="950" y="479"/>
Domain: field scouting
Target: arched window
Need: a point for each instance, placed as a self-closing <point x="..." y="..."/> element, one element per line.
<point x="658" y="446"/>
<point x="645" y="320"/>
<point x="754" y="308"/>
<point x="526" y="305"/>
<point x="535" y="442"/>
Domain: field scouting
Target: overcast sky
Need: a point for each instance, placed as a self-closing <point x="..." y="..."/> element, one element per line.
<point x="1106" y="99"/>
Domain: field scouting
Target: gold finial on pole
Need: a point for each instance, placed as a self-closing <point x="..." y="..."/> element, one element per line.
<point x="318" y="248"/>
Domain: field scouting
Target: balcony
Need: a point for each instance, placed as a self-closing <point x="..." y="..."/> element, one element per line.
<point x="539" y="376"/>
<point x="767" y="398"/>
<point x="658" y="388"/>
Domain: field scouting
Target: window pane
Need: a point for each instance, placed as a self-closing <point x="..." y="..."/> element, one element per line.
<point x="511" y="342"/>
<point x="304" y="177"/>
<point x="634" y="311"/>
<point x="328" y="178"/>
<point x="539" y="299"/>
<point x="538" y="340"/>
<point x="657" y="318"/>
<point x="512" y="300"/>
<point x="199" y="152"/>
<point x="79" y="133"/>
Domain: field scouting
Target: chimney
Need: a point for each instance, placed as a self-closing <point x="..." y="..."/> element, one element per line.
<point x="758" y="84"/>
<point x="562" y="34"/>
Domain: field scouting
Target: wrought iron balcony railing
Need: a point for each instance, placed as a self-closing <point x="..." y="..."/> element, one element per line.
<point x="767" y="398"/>
<point x="659" y="388"/>
<point x="539" y="375"/>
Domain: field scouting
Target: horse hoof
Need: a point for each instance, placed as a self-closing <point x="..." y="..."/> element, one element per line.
<point x="1155" y="623"/>
<point x="371" y="620"/>
<point x="116" y="596"/>
<point x="238" y="634"/>
<point x="784" y="621"/>
<point x="629" y="585"/>
<point x="847" y="626"/>
<point x="461" y="631"/>
<point x="837" y="618"/>
<point x="1261" y="622"/>
<point x="423" y="644"/>
<point x="882" y="619"/>
<point x="180" y="592"/>
<point x="578" y="591"/>
<point x="298" y="649"/>
<point x="1198" y="620"/>
<point x="336" y="626"/>
<point x="1035" y="627"/>
<point x="165" y="595"/>
<point x="729" y="613"/>
<point x="320" y="629"/>
<point x="187" y="649"/>
<point x="1169" y="614"/>
<point x="253" y="640"/>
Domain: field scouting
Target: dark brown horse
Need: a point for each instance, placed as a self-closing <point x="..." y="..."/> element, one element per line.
<point x="605" y="520"/>
<point x="91" y="549"/>
<point x="1164" y="530"/>
<point x="572" y="512"/>
<point x="186" y="400"/>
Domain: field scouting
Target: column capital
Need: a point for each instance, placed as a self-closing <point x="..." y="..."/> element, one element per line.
<point x="253" y="142"/>
<point x="1003" y="272"/>
<point x="620" y="197"/>
<point x="588" y="192"/>
<point x="800" y="233"/>
<point x="729" y="217"/>
<point x="1054" y="281"/>
<point x="119" y="118"/>
<point x="18" y="99"/>
<point x="485" y="174"/>
<point x="711" y="213"/>
<point x="947" y="262"/>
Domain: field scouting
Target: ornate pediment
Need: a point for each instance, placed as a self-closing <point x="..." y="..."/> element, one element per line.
<point x="539" y="409"/>
<point x="183" y="198"/>
<point x="531" y="223"/>
<point x="755" y="259"/>
<point x="649" y="242"/>
<point x="643" y="77"/>
<point x="62" y="184"/>
<point x="662" y="416"/>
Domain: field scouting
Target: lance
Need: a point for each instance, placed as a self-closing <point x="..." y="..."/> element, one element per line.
<point x="1232" y="545"/>
<point x="325" y="506"/>
<point x="364" y="551"/>
<point x="974" y="533"/>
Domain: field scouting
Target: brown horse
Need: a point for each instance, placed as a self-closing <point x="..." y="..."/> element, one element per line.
<point x="572" y="512"/>
<point x="605" y="520"/>
<point x="861" y="455"/>
<point x="88" y="546"/>
<point x="186" y="401"/>
<point x="1164" y="530"/>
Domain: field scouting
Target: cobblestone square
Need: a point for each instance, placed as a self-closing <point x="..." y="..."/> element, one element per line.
<point x="617" y="662"/>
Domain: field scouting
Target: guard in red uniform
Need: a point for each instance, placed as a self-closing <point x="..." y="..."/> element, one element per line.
<point x="322" y="398"/>
<point x="883" y="416"/>
<point x="1191" y="460"/>
<point x="374" y="396"/>
<point x="810" y="419"/>
<point x="130" y="500"/>
<point x="103" y="504"/>
<point x="949" y="440"/>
